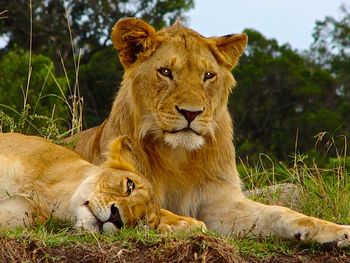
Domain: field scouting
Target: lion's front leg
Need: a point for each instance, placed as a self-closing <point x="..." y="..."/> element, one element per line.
<point x="234" y="214"/>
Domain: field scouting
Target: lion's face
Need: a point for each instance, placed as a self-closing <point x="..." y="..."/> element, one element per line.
<point x="181" y="82"/>
<point x="121" y="198"/>
<point x="184" y="95"/>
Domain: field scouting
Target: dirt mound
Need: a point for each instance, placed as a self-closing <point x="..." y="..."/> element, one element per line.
<point x="195" y="249"/>
<point x="304" y="257"/>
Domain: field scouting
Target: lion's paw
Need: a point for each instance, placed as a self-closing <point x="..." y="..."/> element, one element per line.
<point x="325" y="233"/>
<point x="338" y="238"/>
<point x="170" y="222"/>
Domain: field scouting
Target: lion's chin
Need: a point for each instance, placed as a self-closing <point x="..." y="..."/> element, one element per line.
<point x="184" y="139"/>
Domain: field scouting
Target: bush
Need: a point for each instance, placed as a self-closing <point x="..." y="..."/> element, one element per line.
<point x="31" y="100"/>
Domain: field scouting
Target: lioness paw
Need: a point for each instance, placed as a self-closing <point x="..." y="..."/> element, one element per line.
<point x="181" y="225"/>
<point x="170" y="222"/>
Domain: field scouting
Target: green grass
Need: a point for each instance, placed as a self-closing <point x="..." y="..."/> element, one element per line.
<point x="323" y="192"/>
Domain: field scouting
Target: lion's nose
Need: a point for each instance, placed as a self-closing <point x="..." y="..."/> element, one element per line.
<point x="189" y="113"/>
<point x="115" y="217"/>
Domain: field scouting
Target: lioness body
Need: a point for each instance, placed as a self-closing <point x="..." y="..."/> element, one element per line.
<point x="173" y="102"/>
<point x="39" y="180"/>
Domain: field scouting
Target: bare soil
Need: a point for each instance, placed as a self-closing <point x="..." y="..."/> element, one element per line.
<point x="195" y="249"/>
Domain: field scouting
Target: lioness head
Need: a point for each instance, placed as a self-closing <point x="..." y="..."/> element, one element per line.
<point x="122" y="198"/>
<point x="116" y="196"/>
<point x="179" y="80"/>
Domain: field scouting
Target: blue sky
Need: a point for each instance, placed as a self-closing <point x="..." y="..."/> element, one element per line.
<point x="288" y="21"/>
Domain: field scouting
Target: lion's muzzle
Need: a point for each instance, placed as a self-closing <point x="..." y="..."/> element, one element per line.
<point x="189" y="113"/>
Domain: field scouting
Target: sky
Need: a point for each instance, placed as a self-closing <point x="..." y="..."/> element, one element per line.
<point x="288" y="21"/>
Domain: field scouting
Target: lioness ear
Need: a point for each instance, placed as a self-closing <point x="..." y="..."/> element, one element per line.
<point x="131" y="36"/>
<point x="119" y="154"/>
<point x="231" y="47"/>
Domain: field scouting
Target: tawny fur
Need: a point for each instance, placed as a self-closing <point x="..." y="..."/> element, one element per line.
<point x="40" y="180"/>
<point x="193" y="171"/>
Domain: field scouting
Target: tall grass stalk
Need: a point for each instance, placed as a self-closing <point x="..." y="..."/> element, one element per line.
<point x="321" y="191"/>
<point x="3" y="14"/>
<point x="25" y="93"/>
<point x="72" y="100"/>
<point x="76" y="106"/>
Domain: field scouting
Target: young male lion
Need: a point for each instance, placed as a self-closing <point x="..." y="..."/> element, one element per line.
<point x="173" y="102"/>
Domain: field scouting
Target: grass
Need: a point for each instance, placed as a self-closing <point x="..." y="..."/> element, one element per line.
<point x="322" y="192"/>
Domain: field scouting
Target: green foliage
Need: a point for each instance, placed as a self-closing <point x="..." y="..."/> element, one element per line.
<point x="331" y="50"/>
<point x="282" y="99"/>
<point x="59" y="28"/>
<point x="31" y="99"/>
<point x="90" y="21"/>
<point x="99" y="80"/>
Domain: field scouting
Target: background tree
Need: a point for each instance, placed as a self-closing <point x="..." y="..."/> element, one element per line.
<point x="90" y="23"/>
<point x="331" y="49"/>
<point x="281" y="93"/>
<point x="31" y="99"/>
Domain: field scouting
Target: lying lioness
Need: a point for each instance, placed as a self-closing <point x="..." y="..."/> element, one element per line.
<point x="39" y="180"/>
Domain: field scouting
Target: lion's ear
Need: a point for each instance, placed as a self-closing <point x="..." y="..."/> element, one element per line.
<point x="231" y="47"/>
<point x="119" y="155"/>
<point x="131" y="36"/>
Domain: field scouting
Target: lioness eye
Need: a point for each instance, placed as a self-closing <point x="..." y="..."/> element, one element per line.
<point x="209" y="75"/>
<point x="166" y="72"/>
<point x="130" y="186"/>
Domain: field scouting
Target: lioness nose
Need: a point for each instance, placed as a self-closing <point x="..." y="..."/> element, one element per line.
<point x="189" y="115"/>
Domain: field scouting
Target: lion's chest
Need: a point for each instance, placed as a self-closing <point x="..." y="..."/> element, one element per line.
<point x="177" y="191"/>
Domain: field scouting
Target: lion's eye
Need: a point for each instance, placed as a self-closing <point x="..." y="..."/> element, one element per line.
<point x="130" y="186"/>
<point x="166" y="72"/>
<point x="209" y="75"/>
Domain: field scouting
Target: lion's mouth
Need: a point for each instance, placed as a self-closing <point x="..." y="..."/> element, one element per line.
<point x="114" y="218"/>
<point x="185" y="130"/>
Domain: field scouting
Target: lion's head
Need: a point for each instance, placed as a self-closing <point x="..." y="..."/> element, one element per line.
<point x="122" y="198"/>
<point x="180" y="80"/>
<point x="116" y="196"/>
